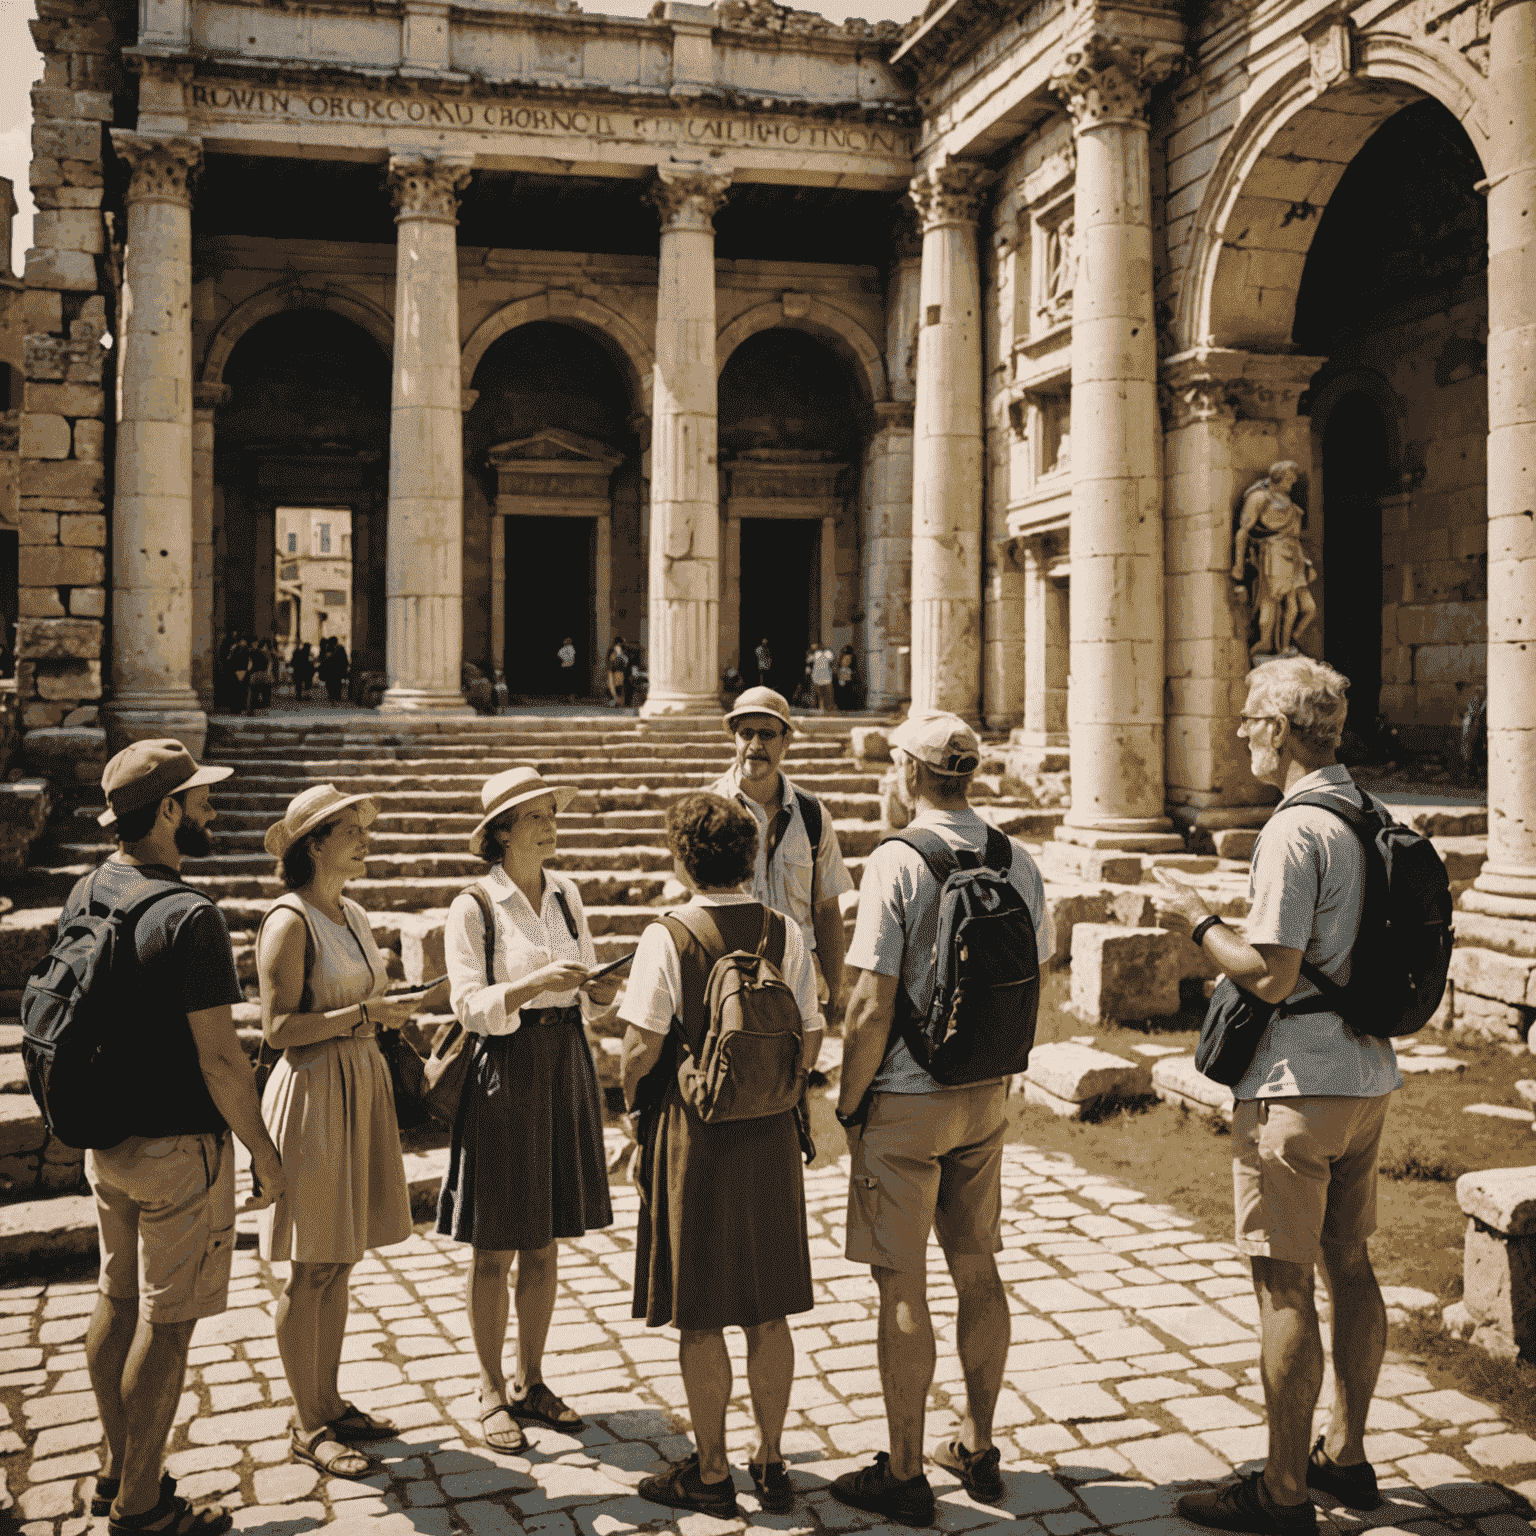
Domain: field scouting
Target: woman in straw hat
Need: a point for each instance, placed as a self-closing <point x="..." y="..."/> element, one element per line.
<point x="329" y="1107"/>
<point x="526" y="1165"/>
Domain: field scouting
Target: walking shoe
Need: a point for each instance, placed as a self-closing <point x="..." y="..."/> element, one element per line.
<point x="681" y="1487"/>
<point x="1354" y="1487"/>
<point x="1245" y="1505"/>
<point x="873" y="1488"/>
<point x="977" y="1470"/>
<point x="772" y="1483"/>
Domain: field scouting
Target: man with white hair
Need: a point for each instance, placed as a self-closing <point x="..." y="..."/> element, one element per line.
<point x="1307" y="1121"/>
<point x="925" y="1157"/>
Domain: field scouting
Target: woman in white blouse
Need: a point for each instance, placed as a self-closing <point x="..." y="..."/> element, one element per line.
<point x="527" y="1164"/>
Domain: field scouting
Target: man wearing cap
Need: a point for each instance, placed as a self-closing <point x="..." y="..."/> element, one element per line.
<point x="165" y="1196"/>
<point x="924" y="1157"/>
<point x="795" y="874"/>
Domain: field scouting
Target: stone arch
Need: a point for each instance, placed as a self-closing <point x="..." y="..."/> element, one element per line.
<point x="819" y="319"/>
<point x="277" y="298"/>
<point x="1275" y="176"/>
<point x="630" y="349"/>
<point x="1333" y="386"/>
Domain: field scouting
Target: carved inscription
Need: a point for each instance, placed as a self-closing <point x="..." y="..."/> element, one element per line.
<point x="557" y="122"/>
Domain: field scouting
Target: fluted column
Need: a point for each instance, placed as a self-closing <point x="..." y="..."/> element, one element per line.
<point x="424" y="575"/>
<point x="1507" y="883"/>
<point x="1116" y="722"/>
<point x="684" y="555"/>
<point x="947" y="446"/>
<point x="152" y="509"/>
<point x="206" y="399"/>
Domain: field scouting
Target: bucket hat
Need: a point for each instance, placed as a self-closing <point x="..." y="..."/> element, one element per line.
<point x="500" y="793"/>
<point x="308" y="810"/>
<point x="760" y="701"/>
<point x="145" y="772"/>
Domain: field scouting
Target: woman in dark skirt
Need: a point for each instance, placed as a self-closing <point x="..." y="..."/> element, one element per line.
<point x="721" y="1241"/>
<point x="526" y="1166"/>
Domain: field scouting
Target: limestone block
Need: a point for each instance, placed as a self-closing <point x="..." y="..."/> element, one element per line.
<point x="69" y="477"/>
<point x="68" y="679"/>
<point x="1068" y="908"/>
<point x="25" y="937"/>
<point x="24" y="807"/>
<point x="39" y="527"/>
<point x="41" y="603"/>
<point x="1501" y="1198"/>
<point x="1499" y="1283"/>
<point x="870" y="744"/>
<point x="1080" y="1075"/>
<point x="421" y="944"/>
<point x="1124" y="973"/>
<point x="52" y="566"/>
<point x="84" y="530"/>
<point x="68" y="229"/>
<point x="67" y="140"/>
<point x="1464" y="857"/>
<point x="37" y="639"/>
<point x="90" y="436"/>
<point x="1486" y="973"/>
<point x="68" y="197"/>
<point x="64" y="399"/>
<point x="1175" y="1080"/>
<point x="1235" y="842"/>
<point x="67" y="756"/>
<point x="44" y="437"/>
<point x="1133" y="906"/>
<point x="1507" y="935"/>
<point x="37" y="713"/>
<point x="73" y="271"/>
<point x="42" y="310"/>
<point x="88" y="602"/>
<point x="87" y="714"/>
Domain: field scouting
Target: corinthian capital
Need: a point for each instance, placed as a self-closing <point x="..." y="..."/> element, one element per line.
<point x="688" y="194"/>
<point x="1106" y="78"/>
<point x="163" y="168"/>
<point x="427" y="186"/>
<point x="949" y="193"/>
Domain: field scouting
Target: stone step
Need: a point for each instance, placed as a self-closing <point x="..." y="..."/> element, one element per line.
<point x="247" y="788"/>
<point x="241" y="894"/>
<point x="433" y="866"/>
<point x="285" y="759"/>
<point x="859" y="805"/>
<point x="30" y="1160"/>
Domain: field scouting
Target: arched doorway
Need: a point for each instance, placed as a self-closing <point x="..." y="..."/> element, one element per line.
<point x="793" y="422"/>
<point x="552" y="544"/>
<point x="301" y="459"/>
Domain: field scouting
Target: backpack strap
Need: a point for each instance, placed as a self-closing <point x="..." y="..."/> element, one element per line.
<point x="565" y="909"/>
<point x="941" y="859"/>
<point x="810" y="814"/>
<point x="771" y="946"/>
<point x="998" y="854"/>
<point x="488" y="922"/>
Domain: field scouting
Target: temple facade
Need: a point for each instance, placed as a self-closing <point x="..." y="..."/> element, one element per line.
<point x="969" y="344"/>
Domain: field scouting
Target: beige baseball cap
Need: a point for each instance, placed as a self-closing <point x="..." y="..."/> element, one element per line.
<point x="941" y="740"/>
<point x="760" y="701"/>
<point x="145" y="772"/>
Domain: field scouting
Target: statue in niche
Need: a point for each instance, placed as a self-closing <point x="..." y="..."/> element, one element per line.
<point x="1268" y="541"/>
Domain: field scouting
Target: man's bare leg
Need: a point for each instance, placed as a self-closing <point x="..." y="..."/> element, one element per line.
<point x="1359" y="1342"/>
<point x="1291" y="1369"/>
<point x="906" y="1354"/>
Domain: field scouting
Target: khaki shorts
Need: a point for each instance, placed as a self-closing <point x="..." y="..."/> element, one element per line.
<point x="1305" y="1174"/>
<point x="927" y="1161"/>
<point x="165" y="1209"/>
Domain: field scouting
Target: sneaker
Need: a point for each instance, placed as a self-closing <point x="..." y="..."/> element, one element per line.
<point x="771" y="1480"/>
<point x="1245" y="1505"/>
<point x="977" y="1470"/>
<point x="1354" y="1487"/>
<point x="873" y="1488"/>
<point x="681" y="1487"/>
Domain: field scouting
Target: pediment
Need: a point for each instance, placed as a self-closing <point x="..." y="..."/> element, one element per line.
<point x="552" y="446"/>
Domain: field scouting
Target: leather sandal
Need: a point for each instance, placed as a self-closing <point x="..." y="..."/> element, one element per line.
<point x="355" y="1424"/>
<point x="344" y="1462"/>
<point x="543" y="1407"/>
<point x="509" y="1439"/>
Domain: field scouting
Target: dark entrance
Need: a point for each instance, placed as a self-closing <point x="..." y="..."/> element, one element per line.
<point x="780" y="560"/>
<point x="549" y="596"/>
<point x="1354" y="478"/>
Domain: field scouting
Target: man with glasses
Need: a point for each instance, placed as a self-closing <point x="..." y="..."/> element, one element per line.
<point x="1308" y="1116"/>
<point x="800" y="870"/>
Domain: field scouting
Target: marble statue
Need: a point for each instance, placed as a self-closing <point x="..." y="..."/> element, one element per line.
<point x="1269" y="540"/>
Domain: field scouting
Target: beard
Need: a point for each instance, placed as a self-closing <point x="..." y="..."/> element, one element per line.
<point x="193" y="841"/>
<point x="1263" y="761"/>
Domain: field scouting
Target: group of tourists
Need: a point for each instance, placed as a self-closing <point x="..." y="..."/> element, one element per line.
<point x="247" y="670"/>
<point x="828" y="682"/>
<point x="724" y="1014"/>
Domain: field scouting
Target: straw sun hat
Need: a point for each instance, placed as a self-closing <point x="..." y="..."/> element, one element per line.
<point x="500" y="794"/>
<point x="307" y="811"/>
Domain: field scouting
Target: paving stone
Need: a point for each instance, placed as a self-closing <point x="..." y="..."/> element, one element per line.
<point x="1448" y="1406"/>
<point x="1201" y="1413"/>
<point x="1175" y="1459"/>
<point x="1239" y="1445"/>
<point x="1154" y="1389"/>
<point x="1503" y="1450"/>
<point x="1068" y="1405"/>
<point x="233" y="1428"/>
<point x="1196" y="1325"/>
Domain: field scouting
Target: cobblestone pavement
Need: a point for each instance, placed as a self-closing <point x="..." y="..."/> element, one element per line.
<point x="1131" y="1374"/>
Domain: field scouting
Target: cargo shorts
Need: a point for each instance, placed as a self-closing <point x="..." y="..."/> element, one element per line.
<point x="165" y="1212"/>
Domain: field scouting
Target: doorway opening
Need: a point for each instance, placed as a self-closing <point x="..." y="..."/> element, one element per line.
<point x="780" y="589"/>
<point x="550" y="581"/>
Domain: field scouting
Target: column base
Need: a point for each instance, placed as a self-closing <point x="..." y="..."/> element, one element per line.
<point x="680" y="704"/>
<point x="1502" y="891"/>
<point x="1131" y="834"/>
<point x="149" y="717"/>
<point x="1220" y="818"/>
<point x="424" y="701"/>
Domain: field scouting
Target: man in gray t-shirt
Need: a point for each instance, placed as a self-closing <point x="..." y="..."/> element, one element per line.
<point x="925" y="1157"/>
<point x="1306" y="1125"/>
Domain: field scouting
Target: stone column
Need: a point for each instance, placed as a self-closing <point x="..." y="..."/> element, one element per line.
<point x="888" y="556"/>
<point x="684" y="586"/>
<point x="1507" y="884"/>
<point x="206" y="399"/>
<point x="152" y="573"/>
<point x="947" y="449"/>
<point x="423" y="598"/>
<point x="1117" y="499"/>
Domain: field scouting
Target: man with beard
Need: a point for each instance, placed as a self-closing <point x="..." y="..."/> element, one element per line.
<point x="799" y="869"/>
<point x="165" y="1196"/>
<point x="1307" y="1120"/>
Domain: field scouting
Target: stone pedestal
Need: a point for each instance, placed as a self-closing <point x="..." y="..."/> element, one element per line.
<point x="1508" y="879"/>
<point x="1499" y="1263"/>
<point x="423" y="593"/>
<point x="684" y="556"/>
<point x="152" y="564"/>
<point x="947" y="446"/>
<point x="206" y="399"/>
<point x="1116" y="721"/>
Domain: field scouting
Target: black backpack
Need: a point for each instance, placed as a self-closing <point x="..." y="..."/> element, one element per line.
<point x="1402" y="956"/>
<point x="81" y="1059"/>
<point x="981" y="1022"/>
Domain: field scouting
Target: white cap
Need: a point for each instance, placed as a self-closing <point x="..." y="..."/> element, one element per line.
<point x="941" y="740"/>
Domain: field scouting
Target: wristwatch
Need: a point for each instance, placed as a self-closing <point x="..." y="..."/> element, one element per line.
<point x="1204" y="926"/>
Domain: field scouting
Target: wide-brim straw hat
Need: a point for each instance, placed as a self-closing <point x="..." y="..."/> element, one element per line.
<point x="309" y="810"/>
<point x="759" y="701"/>
<point x="500" y="794"/>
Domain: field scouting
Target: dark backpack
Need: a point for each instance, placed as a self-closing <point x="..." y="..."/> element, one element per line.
<point x="1402" y="956"/>
<point x="80" y="1057"/>
<point x="981" y="1022"/>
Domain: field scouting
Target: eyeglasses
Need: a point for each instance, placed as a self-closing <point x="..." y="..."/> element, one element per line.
<point x="758" y="733"/>
<point x="1252" y="720"/>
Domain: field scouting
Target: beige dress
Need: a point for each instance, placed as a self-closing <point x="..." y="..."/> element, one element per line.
<point x="330" y="1110"/>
